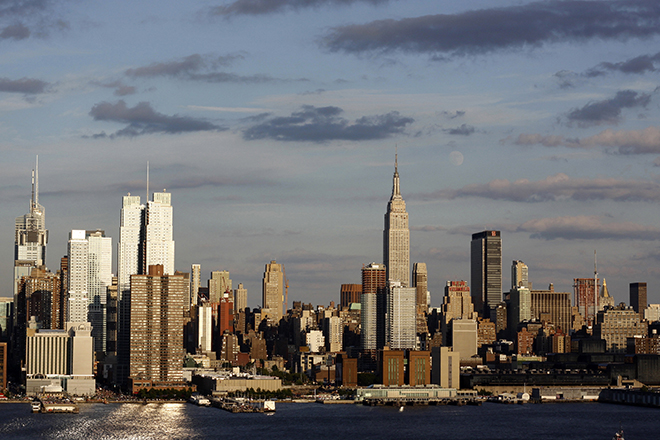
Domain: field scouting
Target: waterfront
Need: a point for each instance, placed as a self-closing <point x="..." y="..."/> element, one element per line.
<point x="580" y="421"/>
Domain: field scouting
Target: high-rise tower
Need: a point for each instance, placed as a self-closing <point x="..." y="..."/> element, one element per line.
<point x="396" y="236"/>
<point x="31" y="235"/>
<point x="273" y="291"/>
<point x="486" y="272"/>
<point x="373" y="306"/>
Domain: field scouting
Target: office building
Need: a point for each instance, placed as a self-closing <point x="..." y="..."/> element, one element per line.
<point x="550" y="306"/>
<point x="519" y="275"/>
<point x="400" y="330"/>
<point x="520" y="305"/>
<point x="6" y="318"/>
<point x="111" y="318"/>
<point x="349" y="294"/>
<point x="240" y="298"/>
<point x="396" y="236"/>
<point x="638" y="299"/>
<point x="420" y="281"/>
<point x="585" y="298"/>
<point x="464" y="337"/>
<point x="457" y="304"/>
<point x="419" y="368"/>
<point x="372" y="301"/>
<point x="225" y="314"/>
<point x="486" y="272"/>
<point x="273" y="292"/>
<point x="219" y="284"/>
<point x="158" y="301"/>
<point x="446" y="370"/>
<point x="333" y="330"/>
<point x="392" y="367"/>
<point x="616" y="325"/>
<point x="98" y="280"/>
<point x="205" y="328"/>
<point x="78" y="299"/>
<point x="195" y="283"/>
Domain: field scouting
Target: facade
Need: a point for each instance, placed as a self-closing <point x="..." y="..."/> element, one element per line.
<point x="520" y="305"/>
<point x="333" y="330"/>
<point x="585" y="298"/>
<point x="392" y="367"/>
<point x="486" y="272"/>
<point x="273" y="292"/>
<point x="396" y="236"/>
<point x="419" y="368"/>
<point x="400" y="330"/>
<point x="349" y="294"/>
<point x="420" y="281"/>
<point x="6" y="318"/>
<point x="111" y="318"/>
<point x="551" y="306"/>
<point x="205" y="328"/>
<point x="457" y="304"/>
<point x="446" y="367"/>
<point x="157" y="305"/>
<point x="225" y="314"/>
<point x="158" y="233"/>
<point x="638" y="300"/>
<point x="99" y="278"/>
<point x="464" y="337"/>
<point x="372" y="300"/>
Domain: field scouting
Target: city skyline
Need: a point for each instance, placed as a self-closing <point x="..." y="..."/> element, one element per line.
<point x="274" y="132"/>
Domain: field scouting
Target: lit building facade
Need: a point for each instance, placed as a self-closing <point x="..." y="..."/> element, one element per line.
<point x="486" y="272"/>
<point x="273" y="291"/>
<point x="401" y="331"/>
<point x="396" y="236"/>
<point x="373" y="301"/>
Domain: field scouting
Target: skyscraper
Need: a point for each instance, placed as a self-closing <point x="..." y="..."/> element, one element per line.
<point x="638" y="298"/>
<point x="486" y="272"/>
<point x="519" y="274"/>
<point x="373" y="302"/>
<point x="396" y="236"/>
<point x="78" y="299"/>
<point x="219" y="284"/>
<point x="273" y="292"/>
<point x="401" y="329"/>
<point x="240" y="298"/>
<point x="195" y="282"/>
<point x="99" y="278"/>
<point x="145" y="239"/>
<point x="157" y="322"/>
<point x="31" y="235"/>
<point x="421" y="285"/>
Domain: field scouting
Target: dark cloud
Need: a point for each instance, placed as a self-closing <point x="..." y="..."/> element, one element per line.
<point x="566" y="78"/>
<point x="261" y="7"/>
<point x="608" y="111"/>
<point x="186" y="65"/>
<point x="24" y="85"/>
<point x="15" y="32"/>
<point x="142" y="119"/>
<point x="512" y="27"/>
<point x="637" y="65"/>
<point x="553" y="188"/>
<point x="321" y="124"/>
<point x="463" y="130"/>
<point x="454" y="114"/>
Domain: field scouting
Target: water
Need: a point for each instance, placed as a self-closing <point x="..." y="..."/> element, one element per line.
<point x="314" y="421"/>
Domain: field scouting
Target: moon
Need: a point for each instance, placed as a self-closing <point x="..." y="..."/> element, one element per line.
<point x="456" y="158"/>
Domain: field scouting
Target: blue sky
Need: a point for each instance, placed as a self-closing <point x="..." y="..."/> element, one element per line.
<point x="274" y="124"/>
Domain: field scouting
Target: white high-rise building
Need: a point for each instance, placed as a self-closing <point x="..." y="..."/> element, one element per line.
<point x="195" y="283"/>
<point x="401" y="330"/>
<point x="99" y="278"/>
<point x="240" y="298"/>
<point x="396" y="236"/>
<point x="128" y="247"/>
<point x="519" y="275"/>
<point x="158" y="233"/>
<point x="78" y="295"/>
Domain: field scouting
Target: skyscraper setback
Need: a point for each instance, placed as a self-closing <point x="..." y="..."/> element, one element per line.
<point x="396" y="235"/>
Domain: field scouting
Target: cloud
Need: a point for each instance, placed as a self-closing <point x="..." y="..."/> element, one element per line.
<point x="142" y="119"/>
<point x="15" y="32"/>
<point x="199" y="68"/>
<point x="24" y="85"/>
<point x="638" y="65"/>
<point x="557" y="187"/>
<point x="608" y="111"/>
<point x="322" y="124"/>
<point x="586" y="228"/>
<point x="120" y="88"/>
<point x="646" y="141"/>
<point x="504" y="28"/>
<point x="262" y="7"/>
<point x="463" y="130"/>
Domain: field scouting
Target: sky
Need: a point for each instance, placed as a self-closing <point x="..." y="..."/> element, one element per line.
<point x="274" y="124"/>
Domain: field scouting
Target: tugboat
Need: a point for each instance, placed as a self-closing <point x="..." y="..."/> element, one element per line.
<point x="618" y="435"/>
<point x="36" y="406"/>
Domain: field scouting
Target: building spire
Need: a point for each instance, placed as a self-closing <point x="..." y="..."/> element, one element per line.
<point x="396" y="191"/>
<point x="147" y="181"/>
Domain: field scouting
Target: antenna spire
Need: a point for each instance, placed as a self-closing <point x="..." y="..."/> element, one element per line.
<point x="147" y="181"/>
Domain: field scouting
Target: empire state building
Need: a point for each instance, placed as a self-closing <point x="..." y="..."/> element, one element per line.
<point x="396" y="236"/>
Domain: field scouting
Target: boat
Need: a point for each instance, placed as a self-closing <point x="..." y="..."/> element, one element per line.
<point x="199" y="400"/>
<point x="618" y="435"/>
<point x="401" y="409"/>
<point x="36" y="406"/>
